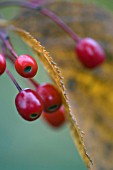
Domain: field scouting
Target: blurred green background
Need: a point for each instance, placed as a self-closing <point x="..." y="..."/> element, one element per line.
<point x="32" y="145"/>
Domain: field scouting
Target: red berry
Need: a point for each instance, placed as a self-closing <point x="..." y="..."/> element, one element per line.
<point x="90" y="53"/>
<point x="2" y="64"/>
<point x="29" y="104"/>
<point x="56" y="119"/>
<point x="26" y="66"/>
<point x="50" y="96"/>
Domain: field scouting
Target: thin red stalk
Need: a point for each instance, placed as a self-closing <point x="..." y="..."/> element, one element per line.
<point x="10" y="58"/>
<point x="3" y="49"/>
<point x="7" y="43"/>
<point x="20" y="3"/>
<point x="8" y="72"/>
<point x="4" y="52"/>
<point x="45" y="12"/>
<point x="36" y="84"/>
<point x="59" y="22"/>
<point x="13" y="80"/>
<point x="42" y="2"/>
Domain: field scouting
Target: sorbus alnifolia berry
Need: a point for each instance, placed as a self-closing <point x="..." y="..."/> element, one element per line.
<point x="50" y="96"/>
<point x="29" y="104"/>
<point x="56" y="119"/>
<point x="90" y="53"/>
<point x="26" y="66"/>
<point x="2" y="64"/>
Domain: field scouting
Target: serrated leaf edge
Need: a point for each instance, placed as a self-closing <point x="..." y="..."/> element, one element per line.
<point x="52" y="68"/>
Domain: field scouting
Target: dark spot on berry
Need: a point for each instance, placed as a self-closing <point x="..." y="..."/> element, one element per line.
<point x="53" y="108"/>
<point x="34" y="115"/>
<point x="28" y="69"/>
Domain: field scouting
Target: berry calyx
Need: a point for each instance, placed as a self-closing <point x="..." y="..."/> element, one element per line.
<point x="2" y="64"/>
<point x="50" y="96"/>
<point x="29" y="104"/>
<point x="90" y="53"/>
<point x="56" y="119"/>
<point x="26" y="66"/>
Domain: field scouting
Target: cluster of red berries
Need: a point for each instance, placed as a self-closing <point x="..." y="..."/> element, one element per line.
<point x="30" y="103"/>
<point x="46" y="98"/>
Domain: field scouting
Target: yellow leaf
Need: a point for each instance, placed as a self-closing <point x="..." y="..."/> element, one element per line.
<point x="55" y="74"/>
<point x="90" y="92"/>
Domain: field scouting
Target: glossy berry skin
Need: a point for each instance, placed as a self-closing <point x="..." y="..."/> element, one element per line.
<point x="26" y="66"/>
<point x="2" y="64"/>
<point x="29" y="104"/>
<point x="50" y="96"/>
<point x="90" y="53"/>
<point x="56" y="119"/>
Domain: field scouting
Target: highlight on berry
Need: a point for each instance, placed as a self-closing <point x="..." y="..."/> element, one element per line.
<point x="46" y="98"/>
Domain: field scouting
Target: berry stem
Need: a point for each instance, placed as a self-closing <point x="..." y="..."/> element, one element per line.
<point x="20" y="3"/>
<point x="4" y="52"/>
<point x="5" y="38"/>
<point x="13" y="80"/>
<point x="45" y="12"/>
<point x="3" y="49"/>
<point x="60" y="23"/>
<point x="35" y="83"/>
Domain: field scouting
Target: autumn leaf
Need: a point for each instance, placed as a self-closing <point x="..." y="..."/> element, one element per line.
<point x="55" y="74"/>
<point x="90" y="92"/>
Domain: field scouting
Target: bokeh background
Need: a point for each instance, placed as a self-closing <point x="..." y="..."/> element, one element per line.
<point x="30" y="145"/>
<point x="34" y="145"/>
